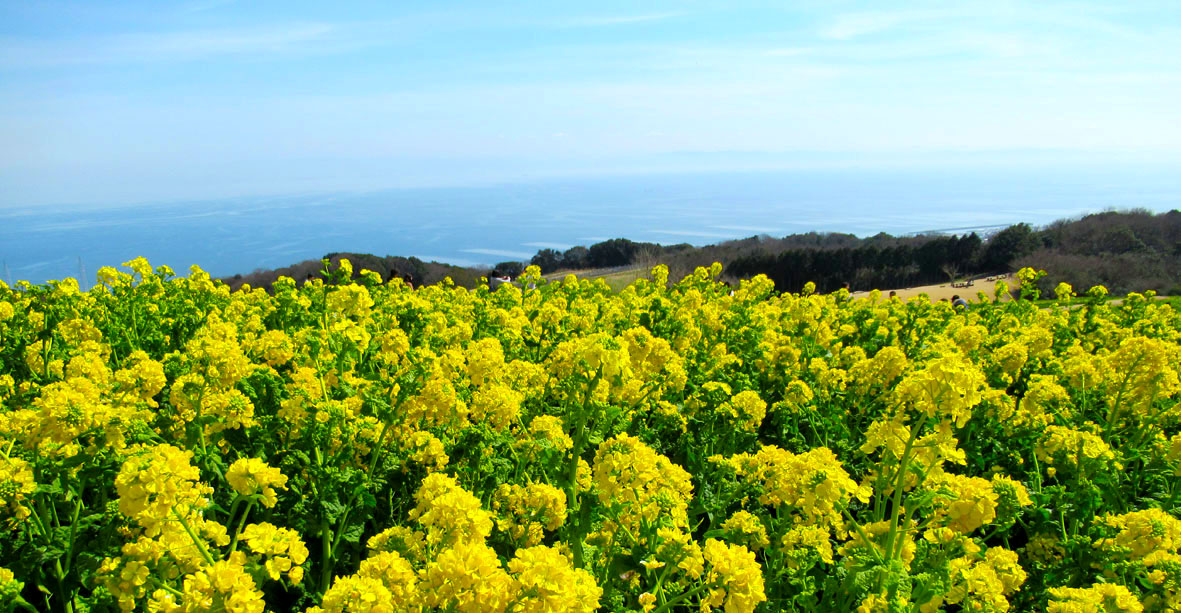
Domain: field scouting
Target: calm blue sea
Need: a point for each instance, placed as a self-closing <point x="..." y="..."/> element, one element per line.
<point x="484" y="225"/>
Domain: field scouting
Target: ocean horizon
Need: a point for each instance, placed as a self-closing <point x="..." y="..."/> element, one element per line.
<point x="479" y="226"/>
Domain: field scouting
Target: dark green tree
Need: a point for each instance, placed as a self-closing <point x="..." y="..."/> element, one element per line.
<point x="1007" y="245"/>
<point x="548" y="260"/>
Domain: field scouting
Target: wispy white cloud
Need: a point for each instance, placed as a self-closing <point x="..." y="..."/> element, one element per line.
<point x="971" y="16"/>
<point x="200" y="6"/>
<point x="500" y="253"/>
<point x="853" y="25"/>
<point x="25" y="52"/>
<point x="611" y="20"/>
<point x="547" y="245"/>
<point x="692" y="233"/>
<point x="788" y="52"/>
<point x="16" y="52"/>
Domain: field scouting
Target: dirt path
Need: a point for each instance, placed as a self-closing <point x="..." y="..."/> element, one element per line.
<point x="945" y="290"/>
<point x="591" y="273"/>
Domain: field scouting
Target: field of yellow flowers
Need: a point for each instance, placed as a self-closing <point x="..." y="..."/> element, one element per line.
<point x="166" y="445"/>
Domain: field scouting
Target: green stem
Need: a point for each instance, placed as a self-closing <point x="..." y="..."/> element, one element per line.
<point x="241" y="525"/>
<point x="338" y="534"/>
<point x="193" y="535"/>
<point x="903" y="464"/>
<point x="573" y="503"/>
<point x="234" y="508"/>
<point x="326" y="554"/>
<point x="1114" y="411"/>
<point x="45" y="355"/>
<point x="663" y="575"/>
<point x="685" y="596"/>
<point x="59" y="572"/>
<point x="865" y="537"/>
<point x="73" y="534"/>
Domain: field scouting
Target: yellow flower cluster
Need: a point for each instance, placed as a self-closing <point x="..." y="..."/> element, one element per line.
<point x="273" y="347"/>
<point x="410" y="544"/>
<point x="16" y="484"/>
<point x="284" y="550"/>
<point x="10" y="588"/>
<point x="252" y="476"/>
<point x="546" y="433"/>
<point x="350" y="301"/>
<point x="882" y="369"/>
<point x="1099" y="598"/>
<point x="1139" y="373"/>
<point x="449" y="513"/>
<point x="981" y="582"/>
<point x="963" y="503"/>
<point x="545" y="582"/>
<point x="947" y="387"/>
<point x="425" y="449"/>
<point x="1069" y="448"/>
<point x="158" y="482"/>
<point x="645" y="486"/>
<point x="216" y="354"/>
<point x="804" y="544"/>
<point x="224" y="586"/>
<point x="746" y="529"/>
<point x="1044" y="399"/>
<point x="1174" y="453"/>
<point x="737" y="576"/>
<point x="93" y="407"/>
<point x="384" y="583"/>
<point x="528" y="512"/>
<point x="437" y="404"/>
<point x="467" y="578"/>
<point x="746" y="410"/>
<point x="812" y="484"/>
<point x="498" y="405"/>
<point x="1148" y="537"/>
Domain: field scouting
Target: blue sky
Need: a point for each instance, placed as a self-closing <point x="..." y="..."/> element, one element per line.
<point x="119" y="102"/>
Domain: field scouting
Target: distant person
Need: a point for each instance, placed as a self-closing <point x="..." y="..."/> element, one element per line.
<point x="498" y="279"/>
<point x="956" y="301"/>
<point x="893" y="294"/>
<point x="409" y="279"/>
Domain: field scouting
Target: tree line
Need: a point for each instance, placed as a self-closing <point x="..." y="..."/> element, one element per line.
<point x="1126" y="251"/>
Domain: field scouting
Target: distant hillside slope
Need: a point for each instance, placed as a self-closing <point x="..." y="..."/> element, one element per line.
<point x="1125" y="251"/>
<point x="415" y="270"/>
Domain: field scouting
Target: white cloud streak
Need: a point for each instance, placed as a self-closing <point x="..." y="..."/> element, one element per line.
<point x="609" y="20"/>
<point x="23" y="53"/>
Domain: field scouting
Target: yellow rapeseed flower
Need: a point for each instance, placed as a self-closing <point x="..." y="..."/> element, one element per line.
<point x="251" y="476"/>
<point x="737" y="576"/>
<point x="1099" y="598"/>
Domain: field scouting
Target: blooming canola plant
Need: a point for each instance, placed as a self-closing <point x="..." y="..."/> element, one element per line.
<point x="167" y="445"/>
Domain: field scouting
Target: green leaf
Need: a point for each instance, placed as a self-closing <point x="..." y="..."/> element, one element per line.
<point x="47" y="488"/>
